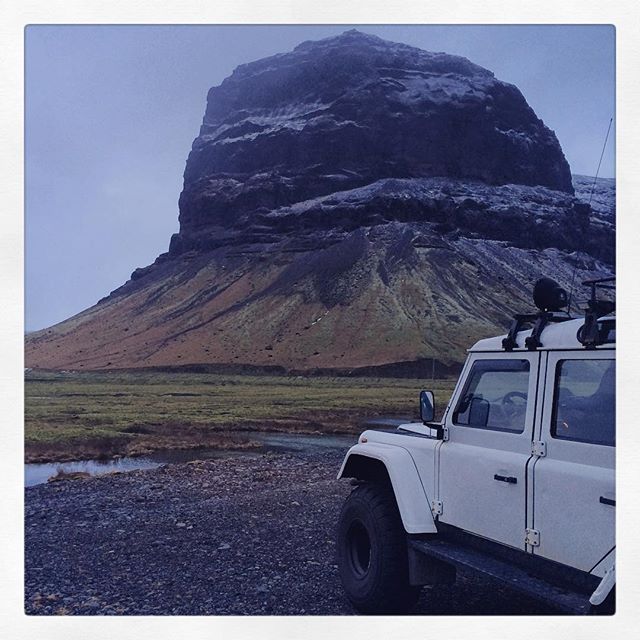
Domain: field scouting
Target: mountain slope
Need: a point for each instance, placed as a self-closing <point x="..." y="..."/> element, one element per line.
<point x="352" y="204"/>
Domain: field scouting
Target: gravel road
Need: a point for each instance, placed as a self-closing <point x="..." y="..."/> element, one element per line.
<point x="250" y="536"/>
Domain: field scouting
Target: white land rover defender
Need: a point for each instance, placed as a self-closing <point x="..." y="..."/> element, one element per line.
<point x="516" y="481"/>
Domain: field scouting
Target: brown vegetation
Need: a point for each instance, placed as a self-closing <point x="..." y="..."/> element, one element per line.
<point x="71" y="416"/>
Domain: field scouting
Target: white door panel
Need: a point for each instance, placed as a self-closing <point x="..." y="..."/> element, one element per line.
<point x="574" y="484"/>
<point x="475" y="501"/>
<point x="575" y="527"/>
<point x="483" y="469"/>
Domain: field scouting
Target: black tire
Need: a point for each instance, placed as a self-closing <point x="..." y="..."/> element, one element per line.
<point x="372" y="552"/>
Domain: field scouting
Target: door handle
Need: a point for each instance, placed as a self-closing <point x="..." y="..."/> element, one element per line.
<point x="509" y="479"/>
<point x="608" y="501"/>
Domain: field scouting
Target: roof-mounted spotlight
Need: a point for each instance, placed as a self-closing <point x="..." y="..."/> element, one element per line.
<point x="548" y="295"/>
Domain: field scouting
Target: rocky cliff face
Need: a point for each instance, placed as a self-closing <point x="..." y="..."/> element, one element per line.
<point x="352" y="204"/>
<point x="347" y="111"/>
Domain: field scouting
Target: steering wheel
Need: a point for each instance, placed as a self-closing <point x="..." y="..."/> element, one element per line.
<point x="508" y="397"/>
<point x="510" y="407"/>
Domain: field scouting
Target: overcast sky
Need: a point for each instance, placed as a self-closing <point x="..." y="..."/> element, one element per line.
<point x="111" y="113"/>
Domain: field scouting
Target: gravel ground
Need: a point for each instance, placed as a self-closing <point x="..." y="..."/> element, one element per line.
<point x="249" y="536"/>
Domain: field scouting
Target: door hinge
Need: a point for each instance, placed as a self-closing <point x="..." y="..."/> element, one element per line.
<point x="445" y="434"/>
<point x="539" y="448"/>
<point x="532" y="537"/>
<point x="436" y="507"/>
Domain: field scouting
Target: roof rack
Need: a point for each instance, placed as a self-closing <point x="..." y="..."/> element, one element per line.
<point x="538" y="320"/>
<point x="593" y="333"/>
<point x="550" y="299"/>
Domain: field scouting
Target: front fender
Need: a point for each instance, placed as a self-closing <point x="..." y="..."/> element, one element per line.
<point x="413" y="502"/>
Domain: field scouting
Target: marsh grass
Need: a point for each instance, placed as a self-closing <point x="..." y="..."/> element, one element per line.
<point x="79" y="414"/>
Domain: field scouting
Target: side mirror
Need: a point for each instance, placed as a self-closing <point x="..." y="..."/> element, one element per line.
<point x="427" y="406"/>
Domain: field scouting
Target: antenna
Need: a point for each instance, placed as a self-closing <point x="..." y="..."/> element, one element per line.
<point x="593" y="186"/>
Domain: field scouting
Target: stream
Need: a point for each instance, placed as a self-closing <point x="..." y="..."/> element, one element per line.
<point x="39" y="473"/>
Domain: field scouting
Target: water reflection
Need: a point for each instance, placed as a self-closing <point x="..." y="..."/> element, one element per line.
<point x="39" y="473"/>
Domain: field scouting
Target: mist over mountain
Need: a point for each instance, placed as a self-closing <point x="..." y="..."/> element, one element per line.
<point x="352" y="205"/>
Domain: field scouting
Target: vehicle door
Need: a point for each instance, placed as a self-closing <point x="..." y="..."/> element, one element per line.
<point x="574" y="483"/>
<point x="483" y="462"/>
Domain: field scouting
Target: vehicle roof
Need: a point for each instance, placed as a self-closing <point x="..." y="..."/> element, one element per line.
<point x="560" y="335"/>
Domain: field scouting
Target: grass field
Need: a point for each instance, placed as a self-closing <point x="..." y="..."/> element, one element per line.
<point x="78" y="415"/>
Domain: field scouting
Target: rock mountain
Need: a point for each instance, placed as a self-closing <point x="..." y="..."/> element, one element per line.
<point x="353" y="205"/>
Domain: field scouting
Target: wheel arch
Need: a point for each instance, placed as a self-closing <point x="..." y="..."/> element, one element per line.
<point x="379" y="463"/>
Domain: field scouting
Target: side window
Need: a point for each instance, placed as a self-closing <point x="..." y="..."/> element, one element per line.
<point x="584" y="406"/>
<point x="495" y="396"/>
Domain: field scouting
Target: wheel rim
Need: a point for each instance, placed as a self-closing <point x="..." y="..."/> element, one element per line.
<point x="359" y="548"/>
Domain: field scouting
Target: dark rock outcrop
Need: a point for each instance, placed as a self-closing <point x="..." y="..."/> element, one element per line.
<point x="528" y="217"/>
<point x="347" y="111"/>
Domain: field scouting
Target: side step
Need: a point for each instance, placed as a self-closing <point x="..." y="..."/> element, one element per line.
<point x="514" y="576"/>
